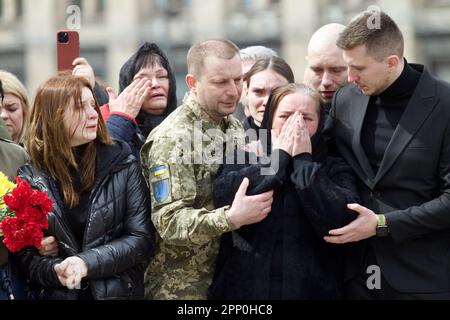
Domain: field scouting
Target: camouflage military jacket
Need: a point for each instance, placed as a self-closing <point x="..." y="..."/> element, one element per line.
<point x="181" y="158"/>
<point x="3" y="131"/>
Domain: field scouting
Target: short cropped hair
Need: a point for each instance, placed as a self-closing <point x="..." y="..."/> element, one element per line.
<point x="257" y="52"/>
<point x="381" y="41"/>
<point x="221" y="48"/>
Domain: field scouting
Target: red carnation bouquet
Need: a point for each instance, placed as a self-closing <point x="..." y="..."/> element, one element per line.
<point x="23" y="214"/>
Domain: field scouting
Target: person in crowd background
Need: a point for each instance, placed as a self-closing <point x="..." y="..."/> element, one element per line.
<point x="14" y="108"/>
<point x="326" y="70"/>
<point x="249" y="56"/>
<point x="262" y="78"/>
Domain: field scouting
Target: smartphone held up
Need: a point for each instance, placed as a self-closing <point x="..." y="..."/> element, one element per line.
<point x="67" y="49"/>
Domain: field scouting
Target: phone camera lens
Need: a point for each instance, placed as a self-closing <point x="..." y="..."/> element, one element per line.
<point x="63" y="37"/>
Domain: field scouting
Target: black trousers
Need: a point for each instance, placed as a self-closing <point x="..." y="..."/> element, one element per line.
<point x="357" y="289"/>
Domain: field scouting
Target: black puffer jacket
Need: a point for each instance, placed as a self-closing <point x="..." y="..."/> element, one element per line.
<point x="118" y="237"/>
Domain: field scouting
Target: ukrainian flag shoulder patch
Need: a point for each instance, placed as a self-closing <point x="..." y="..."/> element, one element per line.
<point x="159" y="170"/>
<point x="160" y="184"/>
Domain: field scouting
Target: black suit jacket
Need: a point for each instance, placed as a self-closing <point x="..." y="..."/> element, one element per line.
<point x="412" y="186"/>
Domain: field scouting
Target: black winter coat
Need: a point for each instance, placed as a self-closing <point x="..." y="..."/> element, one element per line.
<point x="135" y="133"/>
<point x="118" y="236"/>
<point x="147" y="122"/>
<point x="284" y="256"/>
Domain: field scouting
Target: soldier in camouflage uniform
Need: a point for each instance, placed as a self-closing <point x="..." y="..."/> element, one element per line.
<point x="3" y="131"/>
<point x="181" y="158"/>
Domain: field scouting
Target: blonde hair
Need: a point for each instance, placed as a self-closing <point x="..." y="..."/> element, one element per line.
<point x="256" y="53"/>
<point x="12" y="85"/>
<point x="221" y="48"/>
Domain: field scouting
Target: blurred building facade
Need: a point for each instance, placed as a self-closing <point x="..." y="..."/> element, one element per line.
<point x="111" y="30"/>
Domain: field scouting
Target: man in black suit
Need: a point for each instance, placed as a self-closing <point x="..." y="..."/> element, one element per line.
<point x="392" y="125"/>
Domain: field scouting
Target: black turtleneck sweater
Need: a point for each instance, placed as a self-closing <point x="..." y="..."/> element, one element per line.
<point x="384" y="113"/>
<point x="249" y="123"/>
<point x="77" y="216"/>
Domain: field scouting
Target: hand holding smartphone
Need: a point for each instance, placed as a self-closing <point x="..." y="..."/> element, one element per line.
<point x="67" y="49"/>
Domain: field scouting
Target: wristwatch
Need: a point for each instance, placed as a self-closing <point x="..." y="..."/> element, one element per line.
<point x="382" y="228"/>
